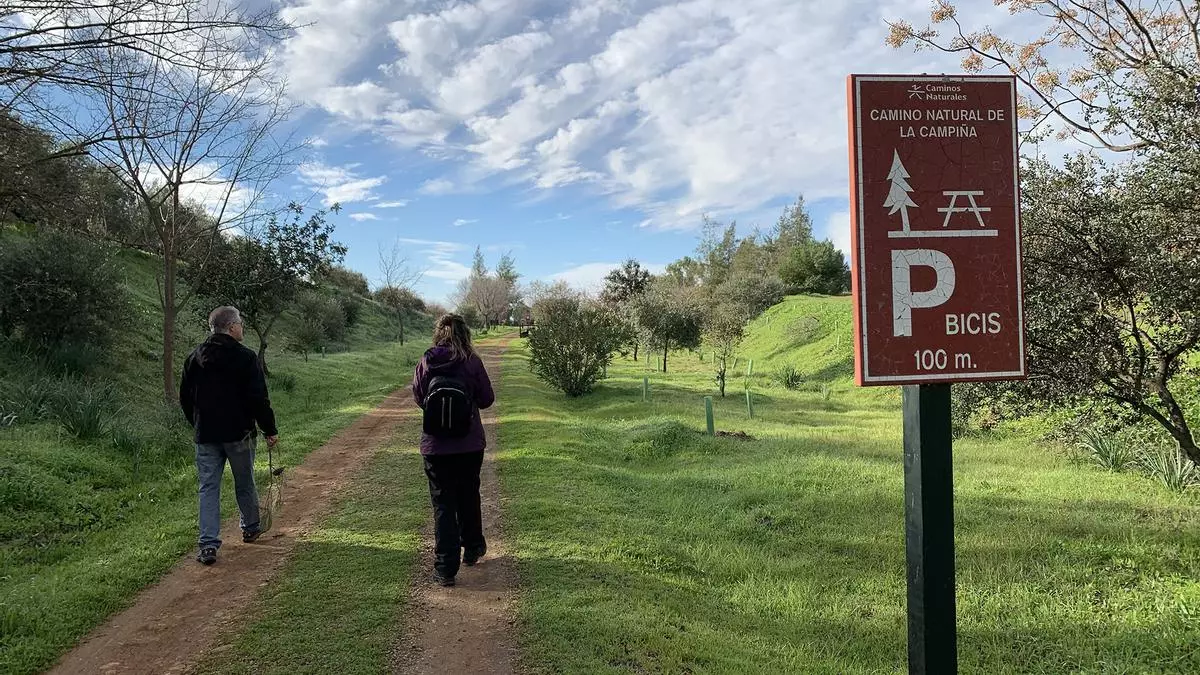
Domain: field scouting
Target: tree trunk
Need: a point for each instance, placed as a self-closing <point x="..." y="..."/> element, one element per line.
<point x="262" y="355"/>
<point x="635" y="351"/>
<point x="170" y="395"/>
<point x="666" y="348"/>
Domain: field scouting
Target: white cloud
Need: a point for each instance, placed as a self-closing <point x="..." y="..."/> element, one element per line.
<point x="676" y="108"/>
<point x="440" y="258"/>
<point x="459" y="222"/>
<point x="589" y="277"/>
<point x="436" y="186"/>
<point x="399" y="203"/>
<point x="339" y="184"/>
<point x="363" y="216"/>
<point x="837" y="229"/>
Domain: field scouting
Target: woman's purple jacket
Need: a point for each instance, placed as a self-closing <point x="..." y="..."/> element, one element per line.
<point x="438" y="361"/>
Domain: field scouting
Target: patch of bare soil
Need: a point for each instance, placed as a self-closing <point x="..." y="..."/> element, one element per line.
<point x="174" y="621"/>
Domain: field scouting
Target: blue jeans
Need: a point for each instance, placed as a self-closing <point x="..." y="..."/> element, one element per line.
<point x="210" y="466"/>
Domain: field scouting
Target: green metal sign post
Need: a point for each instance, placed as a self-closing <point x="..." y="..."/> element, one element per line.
<point x="929" y="529"/>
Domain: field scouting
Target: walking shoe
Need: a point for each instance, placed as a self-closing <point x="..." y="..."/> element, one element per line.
<point x="250" y="537"/>
<point x="443" y="580"/>
<point x="472" y="555"/>
<point x="207" y="555"/>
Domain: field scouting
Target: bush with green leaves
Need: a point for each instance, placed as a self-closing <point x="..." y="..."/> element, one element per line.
<point x="752" y="294"/>
<point x="352" y="308"/>
<point x="324" y="313"/>
<point x="347" y="280"/>
<point x="816" y="267"/>
<point x="573" y="343"/>
<point x="58" y="289"/>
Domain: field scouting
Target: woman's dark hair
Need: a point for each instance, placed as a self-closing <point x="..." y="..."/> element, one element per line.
<point x="451" y="331"/>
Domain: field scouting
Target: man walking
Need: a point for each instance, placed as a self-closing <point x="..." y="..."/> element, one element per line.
<point x="224" y="394"/>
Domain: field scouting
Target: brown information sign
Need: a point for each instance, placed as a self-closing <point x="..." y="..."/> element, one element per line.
<point x="935" y="231"/>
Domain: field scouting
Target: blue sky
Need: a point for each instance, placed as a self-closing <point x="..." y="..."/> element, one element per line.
<point x="577" y="133"/>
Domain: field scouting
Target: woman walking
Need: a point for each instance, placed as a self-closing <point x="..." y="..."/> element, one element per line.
<point x="451" y="386"/>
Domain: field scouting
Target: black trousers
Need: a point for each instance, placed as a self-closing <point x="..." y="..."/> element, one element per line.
<point x="457" y="515"/>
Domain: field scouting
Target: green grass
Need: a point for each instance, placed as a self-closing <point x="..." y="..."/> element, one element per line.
<point x="337" y="606"/>
<point x="128" y="524"/>
<point x="645" y="546"/>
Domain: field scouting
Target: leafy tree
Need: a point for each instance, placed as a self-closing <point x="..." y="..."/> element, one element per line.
<point x="794" y="228"/>
<point x="718" y="244"/>
<point x="506" y="272"/>
<point x="672" y="316"/>
<point x="347" y="280"/>
<point x="58" y="289"/>
<point x="751" y="293"/>
<point x="626" y="282"/>
<point x="573" y="343"/>
<point x="687" y="271"/>
<point x="1108" y="267"/>
<point x="622" y="288"/>
<point x="724" y="329"/>
<point x="262" y="274"/>
<point x="816" y="267"/>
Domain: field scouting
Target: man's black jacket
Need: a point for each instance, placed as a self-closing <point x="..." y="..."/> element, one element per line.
<point x="223" y="392"/>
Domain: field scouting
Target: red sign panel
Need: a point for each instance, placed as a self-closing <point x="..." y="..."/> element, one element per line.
<point x="935" y="231"/>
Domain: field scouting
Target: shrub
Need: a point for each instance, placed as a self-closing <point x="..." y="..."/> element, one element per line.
<point x="309" y="337"/>
<point x="59" y="289"/>
<point x="74" y="359"/>
<point x="283" y="381"/>
<point x="348" y="280"/>
<point x="85" y="412"/>
<point x="752" y="294"/>
<point x="790" y="377"/>
<point x="573" y="344"/>
<point x="1170" y="467"/>
<point x="816" y="267"/>
<point x="1107" y="450"/>
<point x="323" y="313"/>
<point x="352" y="307"/>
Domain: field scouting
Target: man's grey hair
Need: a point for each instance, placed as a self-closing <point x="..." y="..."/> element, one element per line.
<point x="223" y="318"/>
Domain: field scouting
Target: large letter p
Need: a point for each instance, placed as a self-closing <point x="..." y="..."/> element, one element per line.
<point x="904" y="301"/>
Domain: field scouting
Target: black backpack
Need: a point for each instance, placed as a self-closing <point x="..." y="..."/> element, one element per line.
<point x="449" y="408"/>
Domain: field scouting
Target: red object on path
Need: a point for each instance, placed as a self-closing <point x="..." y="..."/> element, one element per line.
<point x="935" y="229"/>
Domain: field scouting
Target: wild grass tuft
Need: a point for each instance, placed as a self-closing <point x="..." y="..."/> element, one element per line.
<point x="1107" y="450"/>
<point x="1171" y="467"/>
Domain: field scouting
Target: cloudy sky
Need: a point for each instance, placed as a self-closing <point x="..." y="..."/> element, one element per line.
<point x="577" y="133"/>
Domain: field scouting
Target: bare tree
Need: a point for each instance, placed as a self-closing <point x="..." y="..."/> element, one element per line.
<point x="398" y="278"/>
<point x="204" y="135"/>
<point x="1117" y="75"/>
<point x="48" y="47"/>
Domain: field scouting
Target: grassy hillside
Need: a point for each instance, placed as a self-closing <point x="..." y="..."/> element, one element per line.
<point x="812" y="333"/>
<point x="646" y="546"/>
<point x="85" y="524"/>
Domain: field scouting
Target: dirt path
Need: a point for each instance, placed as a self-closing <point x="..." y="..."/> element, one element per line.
<point x="467" y="628"/>
<point x="171" y="623"/>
